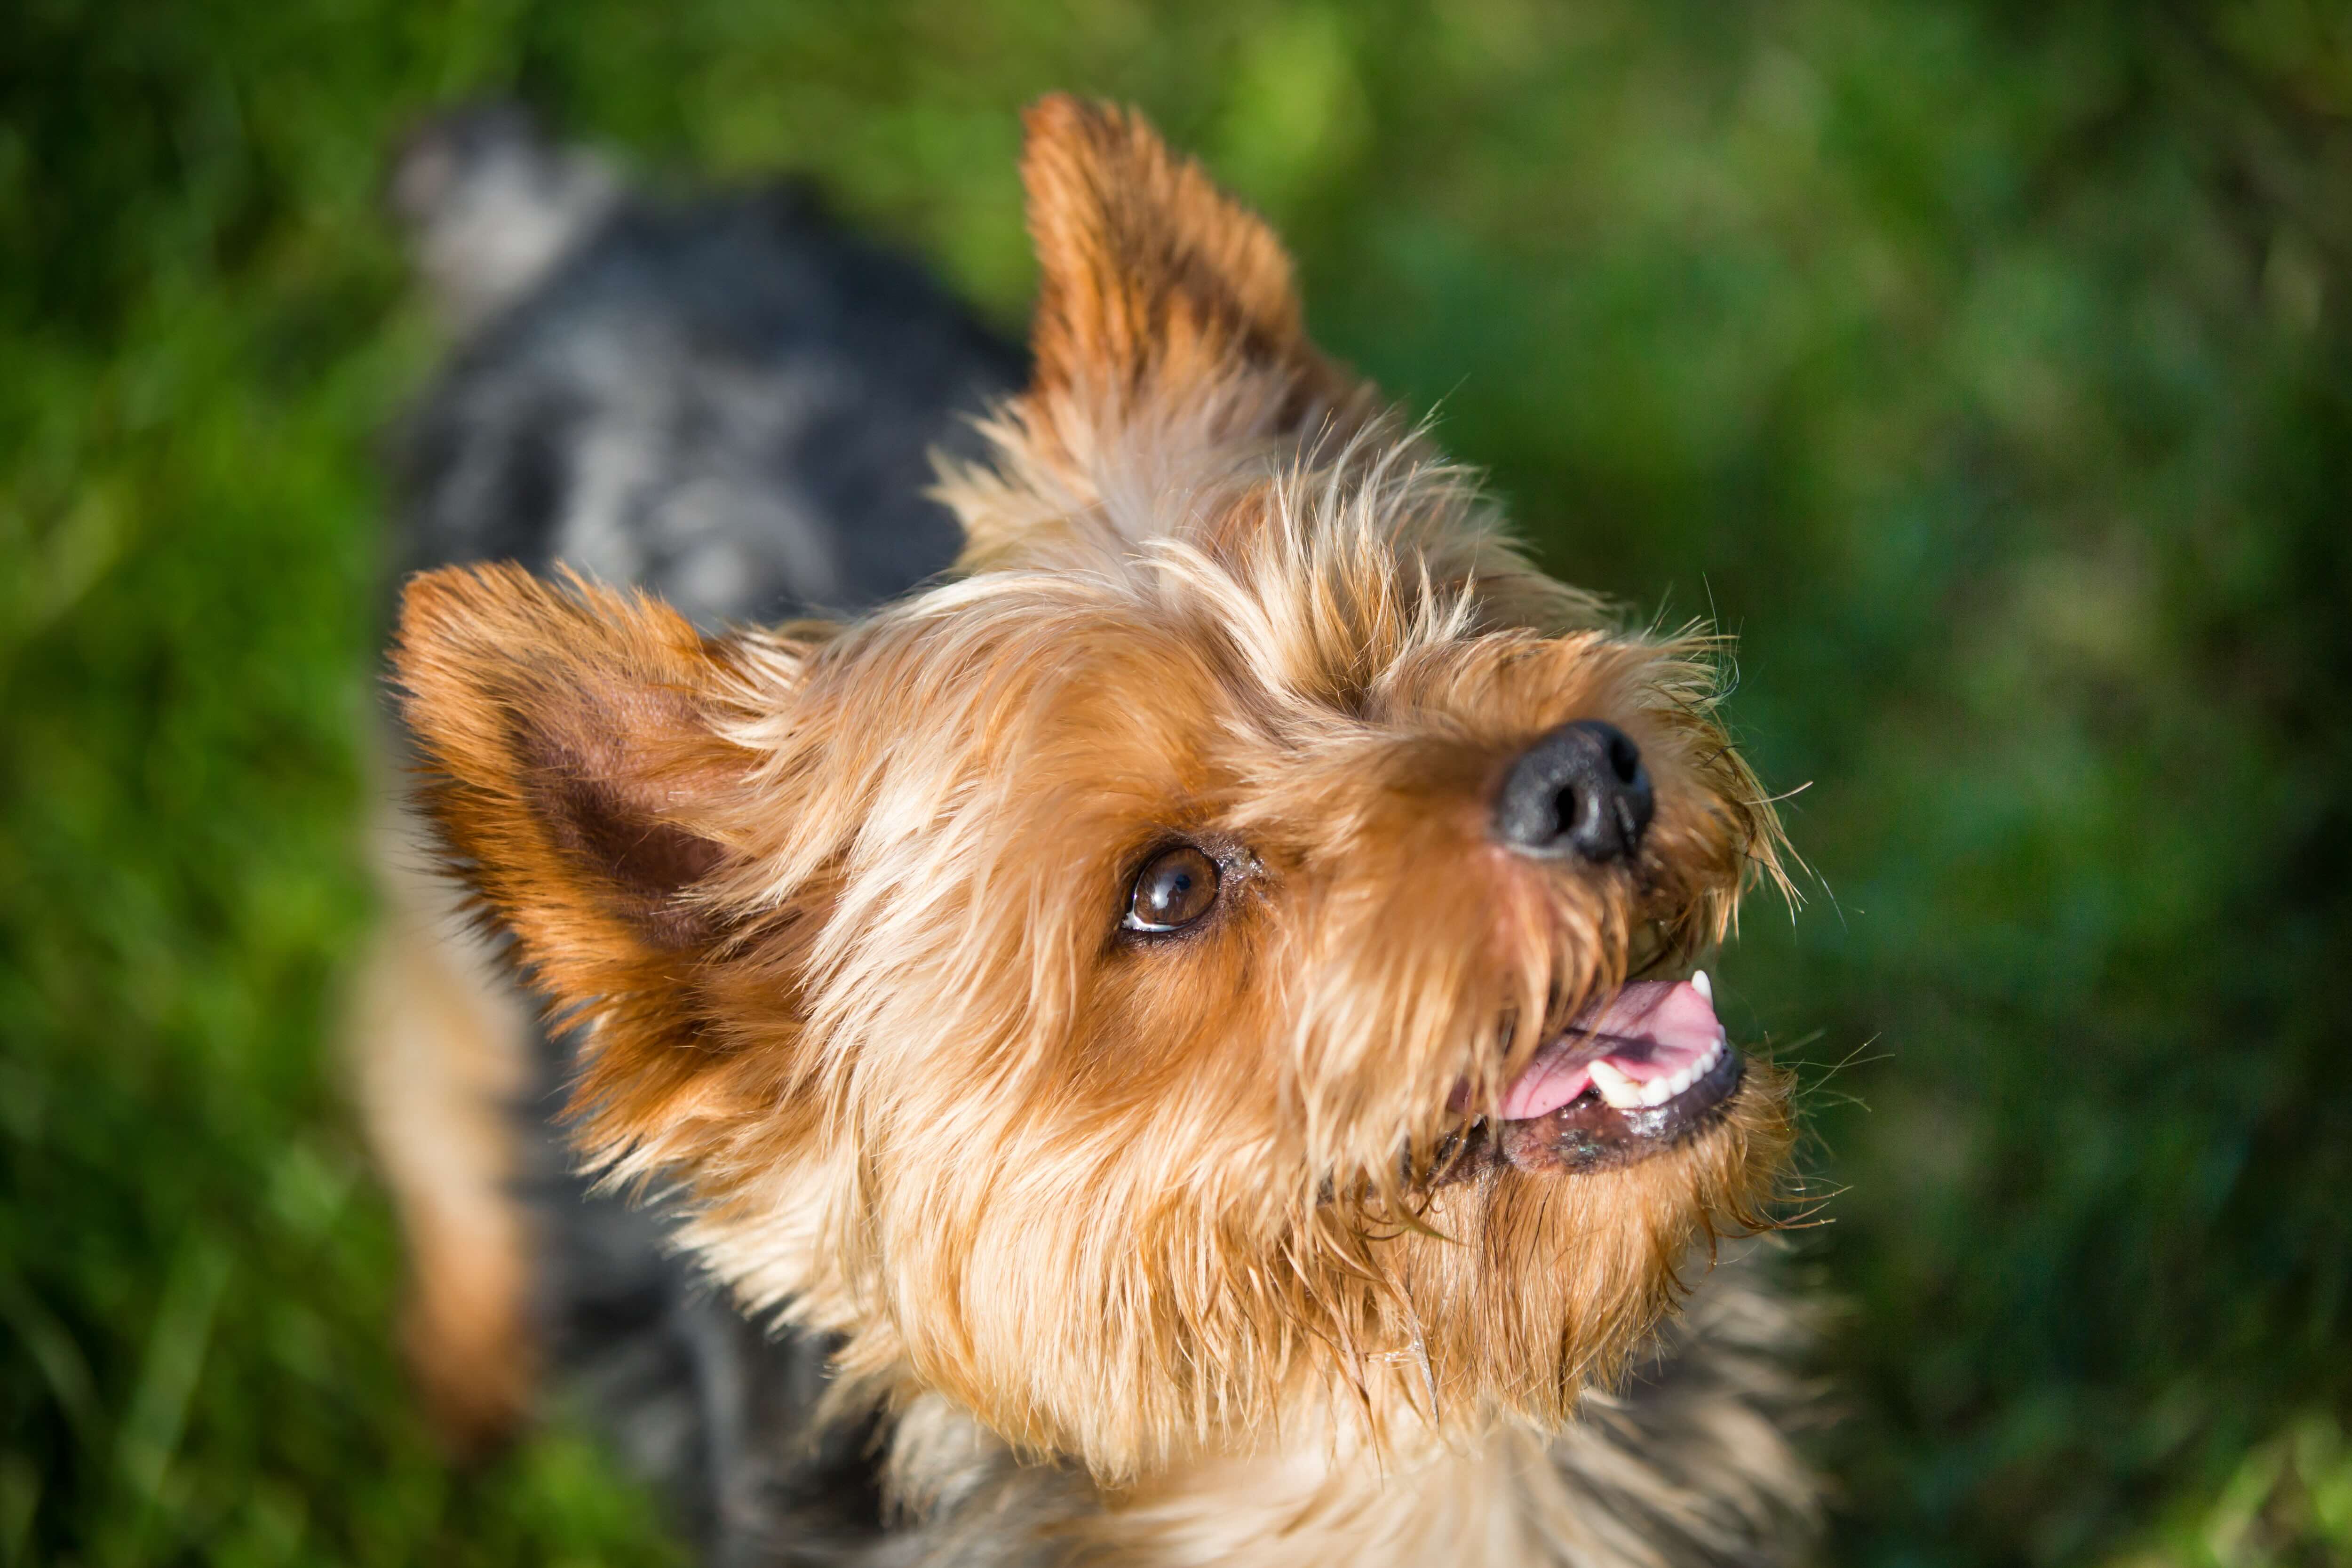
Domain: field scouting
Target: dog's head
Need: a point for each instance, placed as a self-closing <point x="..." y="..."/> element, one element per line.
<point x="1219" y="956"/>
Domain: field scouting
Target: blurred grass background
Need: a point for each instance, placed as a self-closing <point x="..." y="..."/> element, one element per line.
<point x="1988" y="367"/>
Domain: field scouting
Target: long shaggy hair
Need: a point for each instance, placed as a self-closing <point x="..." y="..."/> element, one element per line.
<point x="1214" y="1229"/>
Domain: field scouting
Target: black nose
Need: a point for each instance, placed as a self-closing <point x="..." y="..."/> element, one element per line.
<point x="1581" y="790"/>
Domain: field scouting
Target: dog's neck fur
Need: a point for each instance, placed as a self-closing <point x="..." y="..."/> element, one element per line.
<point x="1689" y="1465"/>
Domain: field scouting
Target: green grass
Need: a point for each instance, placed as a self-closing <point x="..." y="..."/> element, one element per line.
<point x="1988" y="367"/>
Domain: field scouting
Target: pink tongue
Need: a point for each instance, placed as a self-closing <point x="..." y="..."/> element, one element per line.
<point x="1652" y="1029"/>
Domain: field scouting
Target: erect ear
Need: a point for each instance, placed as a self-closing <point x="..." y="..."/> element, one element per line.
<point x="577" y="772"/>
<point x="1159" y="296"/>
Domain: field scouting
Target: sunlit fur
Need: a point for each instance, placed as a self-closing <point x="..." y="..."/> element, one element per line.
<point x="842" y="903"/>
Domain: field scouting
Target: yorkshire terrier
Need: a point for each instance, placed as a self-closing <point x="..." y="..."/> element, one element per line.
<point x="1174" y="1038"/>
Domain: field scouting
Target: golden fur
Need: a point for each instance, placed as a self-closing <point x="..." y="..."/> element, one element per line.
<point x="841" y="904"/>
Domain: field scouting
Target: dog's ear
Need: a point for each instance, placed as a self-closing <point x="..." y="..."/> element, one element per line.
<point x="1164" y="305"/>
<point x="575" y="765"/>
<point x="1151" y="280"/>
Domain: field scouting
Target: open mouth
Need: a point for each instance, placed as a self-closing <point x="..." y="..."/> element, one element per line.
<point x="1625" y="1081"/>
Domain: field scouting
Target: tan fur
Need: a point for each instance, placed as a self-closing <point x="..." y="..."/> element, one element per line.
<point x="841" y="904"/>
<point x="1514" y="1496"/>
<point x="1686" y="1464"/>
<point x="437" y="1038"/>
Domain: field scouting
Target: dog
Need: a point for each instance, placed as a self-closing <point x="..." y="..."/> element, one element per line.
<point x="1152" y="988"/>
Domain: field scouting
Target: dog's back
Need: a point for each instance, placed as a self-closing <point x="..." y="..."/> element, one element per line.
<point x="730" y="402"/>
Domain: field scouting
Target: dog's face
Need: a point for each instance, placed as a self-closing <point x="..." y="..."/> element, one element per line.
<point x="1175" y="976"/>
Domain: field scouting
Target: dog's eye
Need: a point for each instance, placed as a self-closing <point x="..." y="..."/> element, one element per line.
<point x="1175" y="889"/>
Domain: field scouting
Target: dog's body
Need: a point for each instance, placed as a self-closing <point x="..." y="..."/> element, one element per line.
<point x="730" y="403"/>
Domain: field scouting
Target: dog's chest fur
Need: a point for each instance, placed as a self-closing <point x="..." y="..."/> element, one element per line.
<point x="1686" y="1466"/>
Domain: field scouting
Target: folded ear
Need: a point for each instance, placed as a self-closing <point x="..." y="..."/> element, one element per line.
<point x="576" y="768"/>
<point x="1162" y="303"/>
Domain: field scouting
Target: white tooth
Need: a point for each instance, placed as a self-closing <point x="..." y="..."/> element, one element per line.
<point x="1657" y="1092"/>
<point x="1616" y="1087"/>
<point x="1705" y="987"/>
